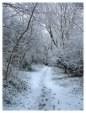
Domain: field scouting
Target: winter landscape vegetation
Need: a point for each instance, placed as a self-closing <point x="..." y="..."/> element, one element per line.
<point x="43" y="56"/>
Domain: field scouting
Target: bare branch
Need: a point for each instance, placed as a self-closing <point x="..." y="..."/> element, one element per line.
<point x="20" y="37"/>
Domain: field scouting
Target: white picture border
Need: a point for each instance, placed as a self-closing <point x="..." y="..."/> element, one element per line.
<point x="1" y="49"/>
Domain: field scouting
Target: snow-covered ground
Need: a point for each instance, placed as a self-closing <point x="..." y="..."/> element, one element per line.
<point x="48" y="89"/>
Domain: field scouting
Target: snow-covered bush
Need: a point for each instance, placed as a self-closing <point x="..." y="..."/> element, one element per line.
<point x="27" y="66"/>
<point x="12" y="88"/>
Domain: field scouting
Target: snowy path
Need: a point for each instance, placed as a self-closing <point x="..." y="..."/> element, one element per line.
<point x="47" y="92"/>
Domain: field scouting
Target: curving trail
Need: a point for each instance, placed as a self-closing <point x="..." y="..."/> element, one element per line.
<point x="46" y="91"/>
